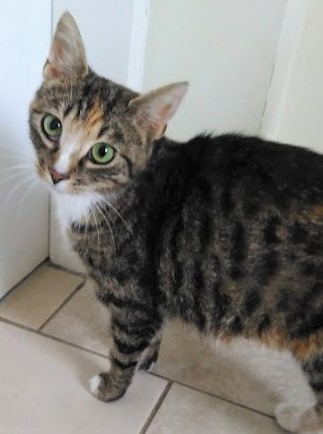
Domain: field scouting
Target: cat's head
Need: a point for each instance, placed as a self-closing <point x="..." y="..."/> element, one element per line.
<point x="90" y="134"/>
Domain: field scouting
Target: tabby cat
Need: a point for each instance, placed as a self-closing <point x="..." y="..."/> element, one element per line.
<point x="224" y="232"/>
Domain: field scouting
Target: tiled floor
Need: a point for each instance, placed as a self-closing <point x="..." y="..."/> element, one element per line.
<point x="54" y="336"/>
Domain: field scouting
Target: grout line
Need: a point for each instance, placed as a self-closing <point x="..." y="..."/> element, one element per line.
<point x="71" y="344"/>
<point x="53" y="338"/>
<point x="212" y="395"/>
<point x="60" y="267"/>
<point x="11" y="290"/>
<point x="156" y="408"/>
<point x="104" y="356"/>
<point x="79" y="286"/>
<point x="15" y="324"/>
<point x="170" y="381"/>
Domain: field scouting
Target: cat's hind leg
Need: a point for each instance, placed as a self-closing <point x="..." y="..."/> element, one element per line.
<point x="310" y="420"/>
<point x="150" y="355"/>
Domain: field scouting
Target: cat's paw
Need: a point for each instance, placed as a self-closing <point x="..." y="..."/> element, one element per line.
<point x="295" y="419"/>
<point x="288" y="416"/>
<point x="102" y="388"/>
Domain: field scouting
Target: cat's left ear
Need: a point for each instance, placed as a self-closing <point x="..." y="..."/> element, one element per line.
<point x="67" y="54"/>
<point x="153" y="110"/>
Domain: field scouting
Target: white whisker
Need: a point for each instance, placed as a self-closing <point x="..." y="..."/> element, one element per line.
<point x="71" y="92"/>
<point x="115" y="211"/>
<point x="109" y="226"/>
<point x="20" y="166"/>
<point x="108" y="214"/>
<point x="87" y="221"/>
<point x="21" y="184"/>
<point x="15" y="175"/>
<point x="5" y="152"/>
<point x="18" y="158"/>
<point x="97" y="227"/>
<point x="28" y="190"/>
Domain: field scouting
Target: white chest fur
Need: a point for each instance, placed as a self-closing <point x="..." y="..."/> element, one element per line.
<point x="67" y="209"/>
<point x="72" y="209"/>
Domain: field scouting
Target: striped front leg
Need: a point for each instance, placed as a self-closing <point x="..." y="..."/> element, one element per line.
<point x="133" y="332"/>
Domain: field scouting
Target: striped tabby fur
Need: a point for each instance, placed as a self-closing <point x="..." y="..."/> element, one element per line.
<point x="225" y="232"/>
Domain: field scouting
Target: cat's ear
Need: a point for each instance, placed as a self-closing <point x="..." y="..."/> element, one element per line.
<point x="153" y="110"/>
<point x="67" y="54"/>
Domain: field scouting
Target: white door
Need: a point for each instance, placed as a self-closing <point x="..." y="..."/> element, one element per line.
<point x="24" y="206"/>
<point x="295" y="104"/>
<point x="114" y="34"/>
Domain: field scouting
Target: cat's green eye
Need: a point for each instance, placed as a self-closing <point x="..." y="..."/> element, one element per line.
<point x="52" y="127"/>
<point x="101" y="153"/>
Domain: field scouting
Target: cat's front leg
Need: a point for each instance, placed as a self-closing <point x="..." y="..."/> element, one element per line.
<point x="132" y="339"/>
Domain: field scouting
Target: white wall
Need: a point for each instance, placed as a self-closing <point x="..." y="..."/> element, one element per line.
<point x="100" y="31"/>
<point x="226" y="49"/>
<point x="24" y="39"/>
<point x="295" y="104"/>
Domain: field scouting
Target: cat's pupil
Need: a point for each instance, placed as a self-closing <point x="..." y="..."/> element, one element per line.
<point x="55" y="124"/>
<point x="102" y="151"/>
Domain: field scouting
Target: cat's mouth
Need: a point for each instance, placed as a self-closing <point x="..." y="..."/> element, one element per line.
<point x="56" y="181"/>
<point x="60" y="182"/>
<point x="61" y="187"/>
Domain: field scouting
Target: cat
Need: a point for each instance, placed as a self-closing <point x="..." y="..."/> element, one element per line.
<point x="224" y="232"/>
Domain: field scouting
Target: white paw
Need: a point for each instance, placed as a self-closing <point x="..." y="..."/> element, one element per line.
<point x="95" y="384"/>
<point x="102" y="388"/>
<point x="297" y="419"/>
<point x="288" y="416"/>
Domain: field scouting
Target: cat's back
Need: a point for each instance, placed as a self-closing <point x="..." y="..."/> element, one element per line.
<point x="252" y="169"/>
<point x="250" y="223"/>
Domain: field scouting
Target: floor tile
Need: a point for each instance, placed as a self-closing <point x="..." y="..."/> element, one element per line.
<point x="243" y="372"/>
<point x="44" y="389"/>
<point x="37" y="297"/>
<point x="83" y="321"/>
<point x="190" y="412"/>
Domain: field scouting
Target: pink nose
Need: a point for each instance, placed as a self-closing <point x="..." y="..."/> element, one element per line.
<point x="57" y="176"/>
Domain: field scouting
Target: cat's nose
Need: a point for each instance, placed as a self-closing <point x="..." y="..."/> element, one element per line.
<point x="57" y="176"/>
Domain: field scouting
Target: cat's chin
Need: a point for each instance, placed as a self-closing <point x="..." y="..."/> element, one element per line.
<point x="61" y="187"/>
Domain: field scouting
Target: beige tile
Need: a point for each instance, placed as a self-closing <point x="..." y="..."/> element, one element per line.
<point x="83" y="321"/>
<point x="44" y="389"/>
<point x="190" y="412"/>
<point x="37" y="297"/>
<point x="243" y="372"/>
